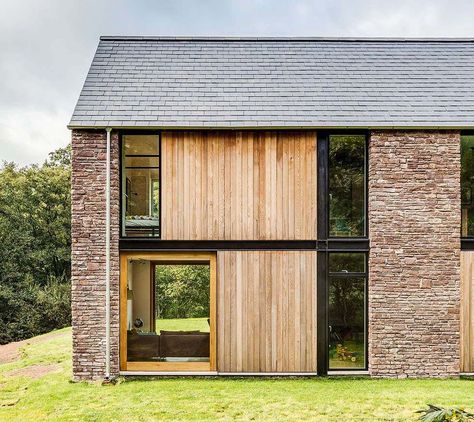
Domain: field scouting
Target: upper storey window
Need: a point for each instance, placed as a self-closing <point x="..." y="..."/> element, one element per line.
<point x="347" y="186"/>
<point x="467" y="186"/>
<point x="141" y="185"/>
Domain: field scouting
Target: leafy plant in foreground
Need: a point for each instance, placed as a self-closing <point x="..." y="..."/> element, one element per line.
<point x="440" y="414"/>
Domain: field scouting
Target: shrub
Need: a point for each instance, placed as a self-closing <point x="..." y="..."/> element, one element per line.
<point x="27" y="309"/>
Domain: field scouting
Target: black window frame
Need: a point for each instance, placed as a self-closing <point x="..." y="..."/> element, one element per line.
<point x="328" y="244"/>
<point x="467" y="242"/>
<point x="362" y="275"/>
<point x="322" y="245"/>
<point x="366" y="152"/>
<point x="122" y="231"/>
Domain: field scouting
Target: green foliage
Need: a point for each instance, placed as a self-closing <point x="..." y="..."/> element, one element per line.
<point x="467" y="184"/>
<point x="346" y="185"/>
<point x="440" y="414"/>
<point x="35" y="247"/>
<point x="182" y="291"/>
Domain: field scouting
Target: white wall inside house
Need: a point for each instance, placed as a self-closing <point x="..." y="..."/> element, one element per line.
<point x="141" y="287"/>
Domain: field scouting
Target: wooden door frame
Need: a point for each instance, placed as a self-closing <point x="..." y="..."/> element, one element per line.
<point x="175" y="257"/>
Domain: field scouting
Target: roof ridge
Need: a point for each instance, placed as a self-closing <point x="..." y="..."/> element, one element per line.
<point x="284" y="39"/>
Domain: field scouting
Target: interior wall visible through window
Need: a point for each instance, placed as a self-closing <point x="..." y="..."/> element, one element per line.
<point x="168" y="312"/>
<point x="141" y="185"/>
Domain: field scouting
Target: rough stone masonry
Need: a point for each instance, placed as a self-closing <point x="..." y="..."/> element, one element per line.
<point x="414" y="265"/>
<point x="88" y="253"/>
<point x="414" y="280"/>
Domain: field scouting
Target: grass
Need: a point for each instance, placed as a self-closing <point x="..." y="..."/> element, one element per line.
<point x="351" y="346"/>
<point x="54" y="397"/>
<point x="182" y="324"/>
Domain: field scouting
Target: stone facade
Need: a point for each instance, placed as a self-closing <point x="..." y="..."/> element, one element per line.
<point x="414" y="274"/>
<point x="88" y="253"/>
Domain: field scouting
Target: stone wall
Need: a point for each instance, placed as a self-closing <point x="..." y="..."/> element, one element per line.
<point x="414" y="274"/>
<point x="88" y="253"/>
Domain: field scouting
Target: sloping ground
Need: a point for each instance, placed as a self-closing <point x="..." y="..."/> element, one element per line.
<point x="37" y="387"/>
<point x="12" y="351"/>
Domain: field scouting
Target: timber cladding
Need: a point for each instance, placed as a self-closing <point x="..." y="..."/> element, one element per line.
<point x="239" y="185"/>
<point x="467" y="311"/>
<point x="266" y="311"/>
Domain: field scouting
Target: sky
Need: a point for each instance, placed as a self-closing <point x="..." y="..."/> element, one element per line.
<point x="46" y="46"/>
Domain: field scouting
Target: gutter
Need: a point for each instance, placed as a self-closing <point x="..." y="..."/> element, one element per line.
<point x="107" y="260"/>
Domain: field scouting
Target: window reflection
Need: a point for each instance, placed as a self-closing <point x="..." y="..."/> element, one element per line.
<point x="168" y="312"/>
<point x="347" y="186"/>
<point x="347" y="311"/>
<point x="347" y="262"/>
<point x="141" y="185"/>
<point x="467" y="186"/>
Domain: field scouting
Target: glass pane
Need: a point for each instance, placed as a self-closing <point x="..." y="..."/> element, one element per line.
<point x="467" y="186"/>
<point x="141" y="188"/>
<point x="347" y="186"/>
<point x="346" y="322"/>
<point x="168" y="312"/>
<point x="141" y="144"/>
<point x="347" y="262"/>
<point x="142" y="162"/>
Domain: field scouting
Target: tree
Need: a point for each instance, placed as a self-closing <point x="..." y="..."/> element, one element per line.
<point x="35" y="245"/>
<point x="182" y="291"/>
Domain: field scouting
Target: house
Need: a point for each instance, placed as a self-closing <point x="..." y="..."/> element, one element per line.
<point x="274" y="206"/>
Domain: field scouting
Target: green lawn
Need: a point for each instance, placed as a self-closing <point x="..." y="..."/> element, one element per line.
<point x="183" y="324"/>
<point x="336" y="361"/>
<point x="54" y="397"/>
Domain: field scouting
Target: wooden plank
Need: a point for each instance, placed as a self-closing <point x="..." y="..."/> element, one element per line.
<point x="228" y="276"/>
<point x="243" y="297"/>
<point x="285" y="201"/>
<point x="213" y="312"/>
<point x="467" y="311"/>
<point x="268" y="309"/>
<point x="279" y="188"/>
<point x="123" y="312"/>
<point x="274" y="283"/>
<point x="168" y="366"/>
<point x="291" y="188"/>
<point x="221" y="311"/>
<point x="256" y="186"/>
<point x="250" y="186"/>
<point x="265" y="317"/>
<point x="274" y="215"/>
<point x="262" y="206"/>
<point x="181" y="194"/>
<point x="221" y="185"/>
<point x="239" y="185"/>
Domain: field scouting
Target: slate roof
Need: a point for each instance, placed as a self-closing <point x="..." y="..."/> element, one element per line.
<point x="278" y="82"/>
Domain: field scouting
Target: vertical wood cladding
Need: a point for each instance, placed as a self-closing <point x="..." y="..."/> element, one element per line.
<point x="414" y="266"/>
<point x="239" y="185"/>
<point x="266" y="315"/>
<point x="467" y="311"/>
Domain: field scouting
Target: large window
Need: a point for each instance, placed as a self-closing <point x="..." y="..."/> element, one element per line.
<point x="141" y="185"/>
<point x="467" y="186"/>
<point x="169" y="316"/>
<point x="347" y="186"/>
<point x="347" y="310"/>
